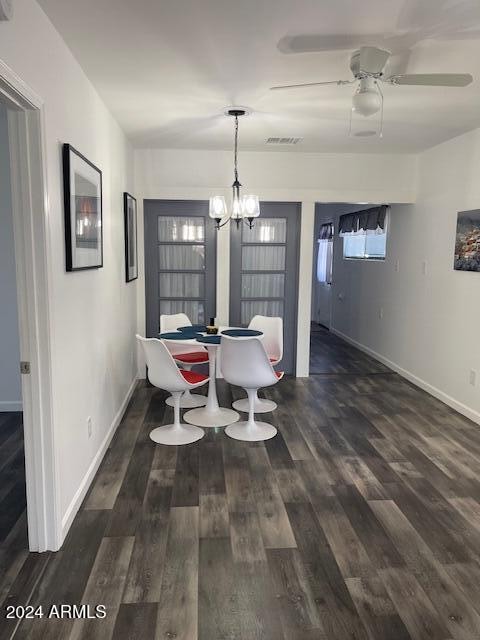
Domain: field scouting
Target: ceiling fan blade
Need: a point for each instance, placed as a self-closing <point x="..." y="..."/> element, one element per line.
<point x="312" y="42"/>
<point x="373" y="59"/>
<point x="432" y="79"/>
<point x="311" y="84"/>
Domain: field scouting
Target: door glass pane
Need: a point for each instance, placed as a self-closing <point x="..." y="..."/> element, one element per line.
<point x="266" y="230"/>
<point x="194" y="309"/>
<point x="181" y="285"/>
<point x="263" y="285"/>
<point x="181" y="257"/>
<point x="181" y="229"/>
<point x="263" y="258"/>
<point x="262" y="308"/>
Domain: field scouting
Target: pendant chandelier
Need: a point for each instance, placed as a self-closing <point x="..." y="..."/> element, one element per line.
<point x="242" y="207"/>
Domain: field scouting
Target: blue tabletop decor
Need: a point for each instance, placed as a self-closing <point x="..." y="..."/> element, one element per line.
<point x="209" y="339"/>
<point x="195" y="328"/>
<point x="178" y="335"/>
<point x="242" y="333"/>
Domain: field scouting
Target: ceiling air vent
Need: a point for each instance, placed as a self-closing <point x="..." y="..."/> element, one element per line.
<point x="284" y="140"/>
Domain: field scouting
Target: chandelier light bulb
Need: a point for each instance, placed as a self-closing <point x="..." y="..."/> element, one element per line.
<point x="251" y="206"/>
<point x="217" y="207"/>
<point x="237" y="208"/>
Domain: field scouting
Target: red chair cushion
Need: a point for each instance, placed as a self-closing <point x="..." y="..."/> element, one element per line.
<point x="279" y="374"/>
<point x="196" y="357"/>
<point x="192" y="377"/>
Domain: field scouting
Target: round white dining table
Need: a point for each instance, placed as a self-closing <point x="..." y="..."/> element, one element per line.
<point x="212" y="414"/>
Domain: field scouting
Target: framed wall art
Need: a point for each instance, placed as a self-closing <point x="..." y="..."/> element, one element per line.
<point x="131" y="258"/>
<point x="82" y="186"/>
<point x="467" y="242"/>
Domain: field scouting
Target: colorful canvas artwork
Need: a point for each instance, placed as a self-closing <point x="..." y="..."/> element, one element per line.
<point x="467" y="245"/>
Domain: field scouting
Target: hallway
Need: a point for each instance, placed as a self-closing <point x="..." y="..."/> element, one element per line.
<point x="331" y="354"/>
<point x="359" y="520"/>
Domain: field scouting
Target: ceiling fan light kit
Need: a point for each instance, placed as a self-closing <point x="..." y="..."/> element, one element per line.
<point x="243" y="207"/>
<point x="367" y="65"/>
<point x="367" y="100"/>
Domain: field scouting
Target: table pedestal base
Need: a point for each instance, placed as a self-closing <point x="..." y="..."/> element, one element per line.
<point x="211" y="418"/>
<point x="251" y="431"/>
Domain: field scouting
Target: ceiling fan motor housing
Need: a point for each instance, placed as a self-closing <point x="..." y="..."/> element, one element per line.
<point x="368" y="61"/>
<point x="355" y="63"/>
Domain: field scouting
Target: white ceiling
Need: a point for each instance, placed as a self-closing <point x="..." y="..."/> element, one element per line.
<point x="167" y="69"/>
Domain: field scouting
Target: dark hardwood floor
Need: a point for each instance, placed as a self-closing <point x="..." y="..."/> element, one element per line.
<point x="12" y="483"/>
<point x="359" y="521"/>
<point x="12" y="472"/>
<point x="330" y="354"/>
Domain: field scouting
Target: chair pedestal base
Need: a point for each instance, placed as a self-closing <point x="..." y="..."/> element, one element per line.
<point x="188" y="400"/>
<point x="261" y="405"/>
<point x="251" y="431"/>
<point x="176" y="434"/>
<point x="211" y="418"/>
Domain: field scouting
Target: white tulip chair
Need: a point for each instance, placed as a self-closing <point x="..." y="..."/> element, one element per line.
<point x="186" y="356"/>
<point x="272" y="339"/>
<point x="245" y="363"/>
<point x="164" y="374"/>
<point x="219" y="350"/>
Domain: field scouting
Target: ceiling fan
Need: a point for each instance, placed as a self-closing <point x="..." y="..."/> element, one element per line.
<point x="367" y="65"/>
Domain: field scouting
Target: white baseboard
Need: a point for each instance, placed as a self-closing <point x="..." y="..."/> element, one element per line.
<point x="411" y="377"/>
<point x="75" y="504"/>
<point x="10" y="405"/>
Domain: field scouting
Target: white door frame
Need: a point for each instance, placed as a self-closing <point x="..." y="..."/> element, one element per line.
<point x="30" y="221"/>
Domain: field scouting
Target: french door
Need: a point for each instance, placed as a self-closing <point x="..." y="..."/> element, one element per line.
<point x="264" y="272"/>
<point x="180" y="257"/>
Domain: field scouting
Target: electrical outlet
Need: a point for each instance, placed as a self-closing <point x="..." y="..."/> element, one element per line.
<point x="89" y="427"/>
<point x="472" y="378"/>
<point x="397" y="266"/>
<point x="380" y="313"/>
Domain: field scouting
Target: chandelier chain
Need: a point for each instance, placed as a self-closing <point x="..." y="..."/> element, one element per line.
<point x="235" y="153"/>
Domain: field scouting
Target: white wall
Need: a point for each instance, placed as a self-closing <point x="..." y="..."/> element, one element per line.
<point x="93" y="313"/>
<point x="295" y="177"/>
<point x="429" y="329"/>
<point x="10" y="385"/>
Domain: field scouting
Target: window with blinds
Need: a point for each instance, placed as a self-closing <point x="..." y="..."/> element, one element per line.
<point x="365" y="234"/>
